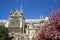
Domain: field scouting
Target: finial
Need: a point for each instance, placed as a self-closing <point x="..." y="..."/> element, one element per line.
<point x="41" y="17"/>
<point x="17" y="9"/>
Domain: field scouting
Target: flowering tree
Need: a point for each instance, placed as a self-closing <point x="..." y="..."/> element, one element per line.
<point x="50" y="31"/>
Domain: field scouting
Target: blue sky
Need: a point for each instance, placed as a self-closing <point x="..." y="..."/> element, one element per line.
<point x="32" y="8"/>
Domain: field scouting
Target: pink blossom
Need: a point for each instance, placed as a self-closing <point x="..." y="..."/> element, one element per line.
<point x="50" y="31"/>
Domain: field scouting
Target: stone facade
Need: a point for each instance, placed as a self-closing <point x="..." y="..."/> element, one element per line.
<point x="21" y="28"/>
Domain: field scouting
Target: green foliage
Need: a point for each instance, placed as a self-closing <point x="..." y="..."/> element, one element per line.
<point x="3" y="33"/>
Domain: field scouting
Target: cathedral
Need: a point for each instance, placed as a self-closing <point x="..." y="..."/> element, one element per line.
<point x="20" y="28"/>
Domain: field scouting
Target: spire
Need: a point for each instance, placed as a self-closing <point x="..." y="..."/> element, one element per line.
<point x="21" y="9"/>
<point x="16" y="10"/>
<point x="11" y="12"/>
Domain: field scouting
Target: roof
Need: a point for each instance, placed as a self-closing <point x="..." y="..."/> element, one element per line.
<point x="4" y="21"/>
<point x="29" y="20"/>
<point x="33" y="20"/>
